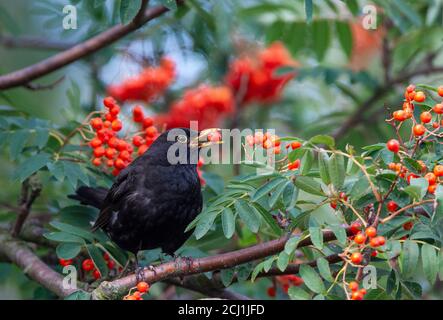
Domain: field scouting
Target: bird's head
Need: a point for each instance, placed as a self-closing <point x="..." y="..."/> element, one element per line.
<point x="181" y="146"/>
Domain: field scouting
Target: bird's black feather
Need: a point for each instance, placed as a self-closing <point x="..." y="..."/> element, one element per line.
<point x="150" y="203"/>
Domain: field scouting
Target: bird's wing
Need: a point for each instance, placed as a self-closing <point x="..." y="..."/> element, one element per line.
<point x="120" y="187"/>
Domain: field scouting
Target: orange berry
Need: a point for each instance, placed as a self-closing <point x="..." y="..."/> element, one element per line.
<point x="137" y="114"/>
<point x="96" y="123"/>
<point x="147" y="122"/>
<point x="96" y="142"/>
<point x="110" y="163"/>
<point x="419" y="130"/>
<point x="109" y="102"/>
<point x="432" y="188"/>
<point x="430" y="176"/>
<point x="438" y="170"/>
<point x="426" y="117"/>
<point x="110" y="153"/>
<point x="142" y="149"/>
<point x="438" y="108"/>
<point x="137" y="141"/>
<point x="440" y="91"/>
<point x="371" y="232"/>
<point x="360" y="238"/>
<point x="357" y="296"/>
<point x="356" y="258"/>
<point x="115" y="110"/>
<point x="392" y="166"/>
<point x="151" y="131"/>
<point x="410" y="88"/>
<point x="399" y="115"/>
<point x="277" y="150"/>
<point x="353" y="286"/>
<point x="294" y="165"/>
<point x="119" y="164"/>
<point x="295" y="145"/>
<point x="96" y="162"/>
<point x="435" y="125"/>
<point x="99" y="152"/>
<point x="419" y="96"/>
<point x="267" y="144"/>
<point x="142" y="287"/>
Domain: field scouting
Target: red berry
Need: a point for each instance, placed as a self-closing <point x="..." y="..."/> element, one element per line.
<point x="295" y="145"/>
<point x="419" y="130"/>
<point x="96" y="123"/>
<point x="87" y="265"/>
<point x="410" y="88"/>
<point x="99" y="152"/>
<point x="96" y="142"/>
<point x="355" y="227"/>
<point x="333" y="205"/>
<point x="438" y="170"/>
<point x="124" y="155"/>
<point x="271" y="292"/>
<point x="381" y="240"/>
<point x="137" y="141"/>
<point x="110" y="163"/>
<point x="392" y="206"/>
<point x="393" y="145"/>
<point x="114" y="110"/>
<point x="408" y="225"/>
<point x="137" y="114"/>
<point x="110" y="153"/>
<point x="356" y="258"/>
<point x="109" y="102"/>
<point x="96" y="162"/>
<point x="116" y="125"/>
<point x="440" y="91"/>
<point x="147" y="122"/>
<point x="142" y="149"/>
<point x="151" y="131"/>
<point x="371" y="232"/>
<point x="65" y="262"/>
<point x="96" y="274"/>
<point x="119" y="164"/>
<point x="357" y="295"/>
<point x="143" y="287"/>
<point x="430" y="176"/>
<point x="111" y="264"/>
<point x="438" y="108"/>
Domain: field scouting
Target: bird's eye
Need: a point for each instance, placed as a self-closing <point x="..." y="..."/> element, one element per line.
<point x="182" y="139"/>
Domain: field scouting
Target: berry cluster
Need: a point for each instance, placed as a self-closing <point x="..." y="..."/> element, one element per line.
<point x="141" y="289"/>
<point x="357" y="293"/>
<point x="362" y="240"/>
<point x="286" y="282"/>
<point x="254" y="78"/>
<point x="111" y="151"/>
<point x="206" y="104"/>
<point x="147" y="85"/>
<point x="89" y="267"/>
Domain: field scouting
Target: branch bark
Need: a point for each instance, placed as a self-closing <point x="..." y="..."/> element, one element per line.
<point x="184" y="267"/>
<point x="81" y="50"/>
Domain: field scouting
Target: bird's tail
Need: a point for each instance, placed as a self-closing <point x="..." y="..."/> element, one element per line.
<point x="90" y="196"/>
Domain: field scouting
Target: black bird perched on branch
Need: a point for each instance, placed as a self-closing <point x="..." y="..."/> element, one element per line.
<point x="152" y="201"/>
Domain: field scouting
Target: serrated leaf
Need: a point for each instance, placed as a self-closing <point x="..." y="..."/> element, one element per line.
<point x="17" y="141"/>
<point x="249" y="215"/>
<point x="74" y="173"/>
<point x="68" y="250"/>
<point x="323" y="268"/>
<point x="228" y="222"/>
<point x="409" y="258"/>
<point x="336" y="169"/>
<point x="311" y="279"/>
<point x="309" y="185"/>
<point x="31" y="165"/>
<point x="296" y="293"/>
<point x="430" y="262"/>
<point x="323" y="160"/>
<point x="282" y="261"/>
<point x="98" y="259"/>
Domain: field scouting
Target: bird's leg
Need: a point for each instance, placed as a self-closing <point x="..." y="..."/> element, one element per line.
<point x="139" y="274"/>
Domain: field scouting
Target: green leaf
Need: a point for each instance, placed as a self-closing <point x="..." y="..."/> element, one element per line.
<point x="269" y="219"/>
<point x="308" y="10"/>
<point x="323" y="139"/>
<point x="282" y="261"/>
<point x="204" y="224"/>
<point x="430" y="262"/>
<point x="63" y="237"/>
<point x="345" y="37"/>
<point x="129" y="9"/>
<point x="98" y="259"/>
<point x="316" y="237"/>
<point x="17" y="141"/>
<point x="258" y="268"/>
<point x="323" y="268"/>
<point x="323" y="160"/>
<point x="31" y="165"/>
<point x="276" y="194"/>
<point x="73" y="230"/>
<point x="74" y="173"/>
<point x="41" y="137"/>
<point x="291" y="244"/>
<point x="409" y="258"/>
<point x="266" y="188"/>
<point x="309" y="185"/>
<point x="249" y="215"/>
<point x="296" y="293"/>
<point x="228" y="222"/>
<point x="79" y="295"/>
<point x="336" y="168"/>
<point x="321" y="35"/>
<point x="340" y="233"/>
<point x="68" y="250"/>
<point x="57" y="170"/>
<point x="307" y="162"/>
<point x="412" y="165"/>
<point x="311" y="279"/>
<point x="440" y="265"/>
<point x="417" y="188"/>
<point x="290" y="196"/>
<point x="227" y="275"/>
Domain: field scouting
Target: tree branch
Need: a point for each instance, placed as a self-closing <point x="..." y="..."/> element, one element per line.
<point x="81" y="50"/>
<point x="183" y="267"/>
<point x="18" y="253"/>
<point x="33" y="43"/>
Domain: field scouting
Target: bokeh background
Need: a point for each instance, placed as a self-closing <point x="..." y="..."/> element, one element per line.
<point x="348" y="79"/>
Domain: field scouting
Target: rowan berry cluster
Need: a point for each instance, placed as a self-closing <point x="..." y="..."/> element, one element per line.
<point x="254" y="78"/>
<point x="137" y="292"/>
<point x="285" y="282"/>
<point x="357" y="293"/>
<point x="111" y="151"/>
<point x="146" y="86"/>
<point x="206" y="104"/>
<point x="89" y="267"/>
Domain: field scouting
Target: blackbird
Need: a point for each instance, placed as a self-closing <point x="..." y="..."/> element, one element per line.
<point x="151" y="201"/>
